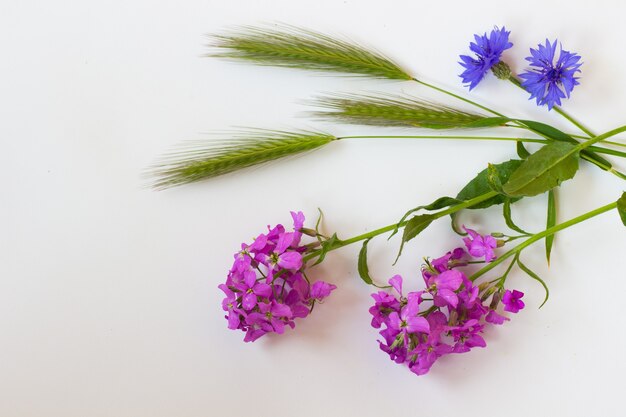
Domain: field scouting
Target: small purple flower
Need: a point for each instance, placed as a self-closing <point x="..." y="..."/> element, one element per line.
<point x="298" y="222"/>
<point x="467" y="336"/>
<point x="396" y="283"/>
<point x="252" y="290"/>
<point x="488" y="50"/>
<point x="479" y="245"/>
<point x="450" y="259"/>
<point x="270" y="317"/>
<point x="512" y="301"/>
<point x="546" y="81"/>
<point x="384" y="303"/>
<point x="321" y="290"/>
<point x="282" y="256"/>
<point x="443" y="287"/>
<point x="407" y="321"/>
<point x="494" y="318"/>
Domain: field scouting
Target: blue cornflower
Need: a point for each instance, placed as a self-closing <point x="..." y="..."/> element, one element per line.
<point x="549" y="82"/>
<point x="488" y="51"/>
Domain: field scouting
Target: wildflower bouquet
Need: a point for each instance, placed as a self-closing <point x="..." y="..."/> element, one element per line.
<point x="268" y="288"/>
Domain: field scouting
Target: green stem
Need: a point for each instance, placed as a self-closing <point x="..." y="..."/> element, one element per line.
<point x="448" y="137"/>
<point x="451" y="94"/>
<point x="597" y="149"/>
<point x="557" y="109"/>
<point x="608" y="142"/>
<point x="548" y="232"/>
<point x="393" y="226"/>
<point x="601" y="137"/>
<point x="502" y="280"/>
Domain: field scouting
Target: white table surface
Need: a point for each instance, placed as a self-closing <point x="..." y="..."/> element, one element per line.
<point x="108" y="298"/>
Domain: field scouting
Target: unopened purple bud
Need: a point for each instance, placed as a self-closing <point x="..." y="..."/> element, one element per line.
<point x="496" y="299"/>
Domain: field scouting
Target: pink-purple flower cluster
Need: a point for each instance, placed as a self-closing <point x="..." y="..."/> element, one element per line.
<point x="448" y="316"/>
<point x="266" y="288"/>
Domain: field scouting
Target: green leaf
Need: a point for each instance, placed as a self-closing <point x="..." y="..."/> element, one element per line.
<point x="549" y="131"/>
<point x="327" y="246"/>
<point x="493" y="179"/>
<point x="535" y="277"/>
<point x="543" y="170"/>
<point x="621" y="208"/>
<point x="480" y="184"/>
<point x="551" y="221"/>
<point x="414" y="227"/>
<point x="506" y="213"/>
<point x="362" y="267"/>
<point x="559" y="136"/>
<point x="435" y="205"/>
<point x="521" y="150"/>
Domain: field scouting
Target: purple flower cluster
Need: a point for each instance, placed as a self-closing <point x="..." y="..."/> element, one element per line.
<point x="448" y="316"/>
<point x="266" y="288"/>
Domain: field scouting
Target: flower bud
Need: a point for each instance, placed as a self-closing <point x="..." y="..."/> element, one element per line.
<point x="488" y="293"/>
<point x="496" y="299"/>
<point x="308" y="232"/>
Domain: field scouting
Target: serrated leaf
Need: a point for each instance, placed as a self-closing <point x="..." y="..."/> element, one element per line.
<point x="414" y="227"/>
<point x="521" y="150"/>
<point x="327" y="246"/>
<point x="621" y="208"/>
<point x="535" y="277"/>
<point x="543" y="170"/>
<point x="479" y="185"/>
<point x="506" y="213"/>
<point x="362" y="264"/>
<point x="438" y="204"/>
<point x="550" y="222"/>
